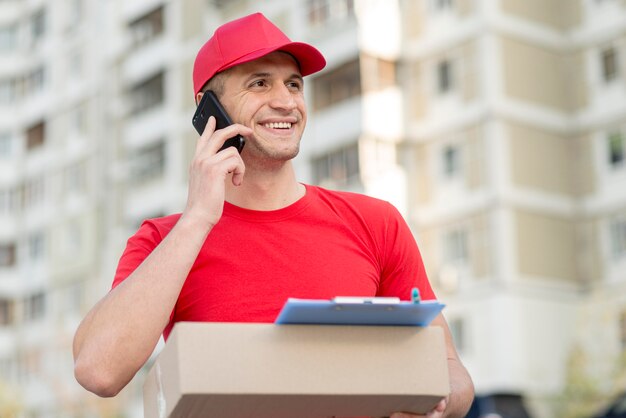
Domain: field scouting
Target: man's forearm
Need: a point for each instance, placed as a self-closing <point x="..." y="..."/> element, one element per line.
<point x="118" y="335"/>
<point x="461" y="390"/>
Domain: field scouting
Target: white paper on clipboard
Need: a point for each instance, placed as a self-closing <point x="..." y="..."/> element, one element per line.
<point x="365" y="312"/>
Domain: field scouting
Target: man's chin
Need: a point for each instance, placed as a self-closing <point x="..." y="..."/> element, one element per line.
<point x="277" y="154"/>
<point x="271" y="155"/>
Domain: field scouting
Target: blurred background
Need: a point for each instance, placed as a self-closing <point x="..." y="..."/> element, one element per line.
<point x="497" y="127"/>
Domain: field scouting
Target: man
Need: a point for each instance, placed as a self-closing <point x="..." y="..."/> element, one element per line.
<point x="251" y="235"/>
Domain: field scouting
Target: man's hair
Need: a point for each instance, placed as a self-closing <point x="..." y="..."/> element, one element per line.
<point x="217" y="84"/>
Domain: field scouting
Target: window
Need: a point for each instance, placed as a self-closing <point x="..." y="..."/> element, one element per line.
<point x="444" y="76"/>
<point x="451" y="161"/>
<point x="147" y="94"/>
<point x="28" y="362"/>
<point x="35" y="307"/>
<point x="33" y="192"/>
<point x="616" y="149"/>
<point x="7" y="312"/>
<point x="147" y="27"/>
<point x="7" y="254"/>
<point x="147" y="163"/>
<point x="36" y="246"/>
<point x="72" y="239"/>
<point x="6" y="145"/>
<point x="75" y="14"/>
<point x="339" y="168"/>
<point x="455" y="246"/>
<point x="38" y="25"/>
<point x="322" y="12"/>
<point x="441" y="5"/>
<point x="73" y="295"/>
<point x="8" y="91"/>
<point x="75" y="178"/>
<point x="377" y="73"/>
<point x="617" y="228"/>
<point x="77" y="120"/>
<point x="220" y="4"/>
<point x="9" y="200"/>
<point x="75" y="64"/>
<point x="35" y="136"/>
<point x="609" y="59"/>
<point x="34" y="81"/>
<point x="8" y="38"/>
<point x="336" y="85"/>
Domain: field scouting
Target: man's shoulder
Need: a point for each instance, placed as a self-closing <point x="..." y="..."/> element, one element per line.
<point x="351" y="204"/>
<point x="357" y="200"/>
<point x="162" y="224"/>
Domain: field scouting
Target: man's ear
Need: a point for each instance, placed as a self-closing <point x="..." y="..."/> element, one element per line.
<point x="199" y="97"/>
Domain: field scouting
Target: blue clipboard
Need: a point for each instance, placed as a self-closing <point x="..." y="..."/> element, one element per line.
<point x="359" y="311"/>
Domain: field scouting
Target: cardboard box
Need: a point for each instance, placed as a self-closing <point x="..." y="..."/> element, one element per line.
<point x="235" y="370"/>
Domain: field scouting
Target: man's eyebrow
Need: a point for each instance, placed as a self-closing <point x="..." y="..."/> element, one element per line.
<point x="297" y="77"/>
<point x="267" y="74"/>
<point x="261" y="75"/>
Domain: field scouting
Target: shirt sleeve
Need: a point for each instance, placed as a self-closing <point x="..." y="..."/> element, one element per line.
<point x="138" y="248"/>
<point x="403" y="268"/>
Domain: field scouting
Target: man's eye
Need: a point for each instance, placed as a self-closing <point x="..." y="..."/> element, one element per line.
<point x="294" y="85"/>
<point x="258" y="83"/>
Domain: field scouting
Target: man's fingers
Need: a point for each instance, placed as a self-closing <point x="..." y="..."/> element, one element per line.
<point x="441" y="406"/>
<point x="208" y="163"/>
<point x="232" y="164"/>
<point x="222" y="135"/>
<point x="225" y="162"/>
<point x="217" y="138"/>
<point x="206" y="134"/>
<point x="436" y="412"/>
<point x="237" y="179"/>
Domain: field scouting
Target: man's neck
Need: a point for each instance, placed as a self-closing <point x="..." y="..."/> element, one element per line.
<point x="266" y="190"/>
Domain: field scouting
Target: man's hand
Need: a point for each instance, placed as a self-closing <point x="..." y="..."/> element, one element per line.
<point x="437" y="412"/>
<point x="209" y="170"/>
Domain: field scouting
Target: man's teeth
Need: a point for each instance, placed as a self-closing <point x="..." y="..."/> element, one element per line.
<point x="278" y="125"/>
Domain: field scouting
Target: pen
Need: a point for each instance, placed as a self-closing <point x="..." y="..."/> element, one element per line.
<point x="415" y="295"/>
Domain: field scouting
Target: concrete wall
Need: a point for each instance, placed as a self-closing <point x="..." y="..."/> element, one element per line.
<point x="557" y="14"/>
<point x="545" y="246"/>
<point x="542" y="76"/>
<point x="541" y="160"/>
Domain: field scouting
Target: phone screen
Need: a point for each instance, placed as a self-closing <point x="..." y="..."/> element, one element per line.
<point x="210" y="106"/>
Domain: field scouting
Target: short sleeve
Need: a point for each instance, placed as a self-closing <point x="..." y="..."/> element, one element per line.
<point x="138" y="248"/>
<point x="403" y="268"/>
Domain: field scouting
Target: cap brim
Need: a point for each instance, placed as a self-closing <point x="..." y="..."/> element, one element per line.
<point x="309" y="59"/>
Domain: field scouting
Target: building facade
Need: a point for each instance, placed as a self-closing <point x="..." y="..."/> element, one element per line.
<point x="497" y="127"/>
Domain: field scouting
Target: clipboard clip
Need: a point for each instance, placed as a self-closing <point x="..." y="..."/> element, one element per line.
<point x="366" y="300"/>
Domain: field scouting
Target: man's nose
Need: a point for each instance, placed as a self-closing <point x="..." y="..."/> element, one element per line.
<point x="282" y="98"/>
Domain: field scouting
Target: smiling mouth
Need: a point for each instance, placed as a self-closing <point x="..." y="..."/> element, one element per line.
<point x="278" y="125"/>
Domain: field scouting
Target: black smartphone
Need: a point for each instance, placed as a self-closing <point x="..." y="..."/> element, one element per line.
<point x="210" y="106"/>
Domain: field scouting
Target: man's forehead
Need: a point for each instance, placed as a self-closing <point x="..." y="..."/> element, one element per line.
<point x="269" y="62"/>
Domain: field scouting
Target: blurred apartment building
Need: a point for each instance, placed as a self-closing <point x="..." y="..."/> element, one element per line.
<point x="51" y="140"/>
<point x="497" y="127"/>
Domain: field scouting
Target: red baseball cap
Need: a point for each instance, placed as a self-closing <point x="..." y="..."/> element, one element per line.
<point x="247" y="39"/>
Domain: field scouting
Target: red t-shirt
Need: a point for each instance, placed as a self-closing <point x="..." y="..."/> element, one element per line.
<point x="324" y="245"/>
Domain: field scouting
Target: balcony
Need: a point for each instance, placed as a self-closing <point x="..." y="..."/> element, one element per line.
<point x="148" y="59"/>
<point x="146" y="127"/>
<point x="336" y="125"/>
